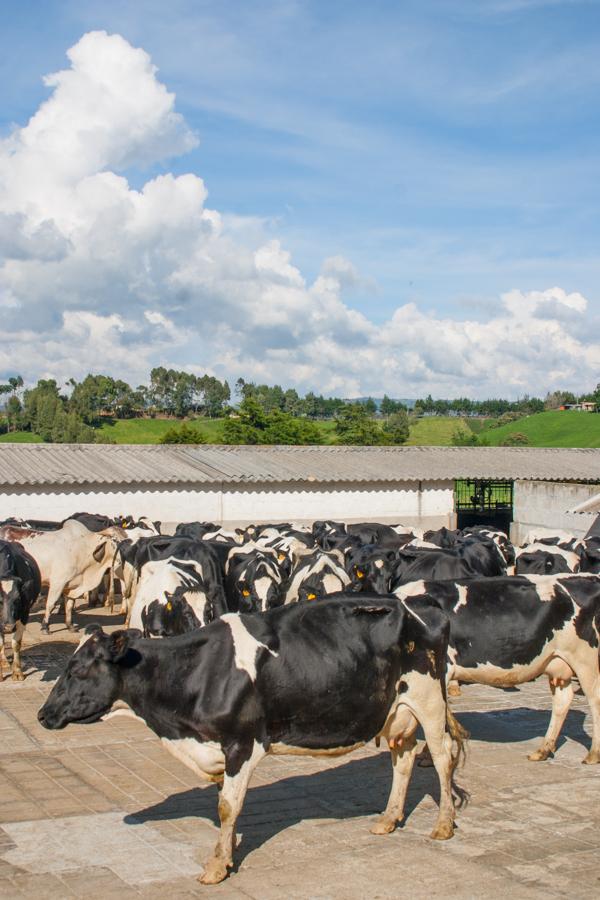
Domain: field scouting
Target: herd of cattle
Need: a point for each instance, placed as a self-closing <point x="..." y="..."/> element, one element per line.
<point x="313" y="640"/>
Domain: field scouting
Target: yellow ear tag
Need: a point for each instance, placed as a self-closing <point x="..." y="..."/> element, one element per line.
<point x="360" y="573"/>
<point x="281" y="557"/>
<point x="245" y="593"/>
<point x="311" y="596"/>
<point x="169" y="606"/>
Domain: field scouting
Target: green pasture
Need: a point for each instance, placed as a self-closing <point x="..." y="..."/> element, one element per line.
<point x="553" y="429"/>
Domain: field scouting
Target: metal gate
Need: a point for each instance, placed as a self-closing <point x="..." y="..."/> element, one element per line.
<point x="482" y="501"/>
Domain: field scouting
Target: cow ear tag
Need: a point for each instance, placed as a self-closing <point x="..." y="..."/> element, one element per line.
<point x="311" y="596"/>
<point x="410" y="646"/>
<point x="360" y="573"/>
<point x="281" y="557"/>
<point x="169" y="606"/>
<point x="245" y="593"/>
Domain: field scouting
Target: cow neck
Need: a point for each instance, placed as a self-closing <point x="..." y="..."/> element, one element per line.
<point x="155" y="684"/>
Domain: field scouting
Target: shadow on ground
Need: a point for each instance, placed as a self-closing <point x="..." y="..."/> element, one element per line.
<point x="344" y="786"/>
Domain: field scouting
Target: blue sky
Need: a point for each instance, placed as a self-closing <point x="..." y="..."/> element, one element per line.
<point x="449" y="149"/>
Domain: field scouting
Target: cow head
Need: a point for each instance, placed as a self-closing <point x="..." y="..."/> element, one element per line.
<point x="259" y="587"/>
<point x="92" y="680"/>
<point x="11" y="604"/>
<point x="172" y="616"/>
<point x="318" y="585"/>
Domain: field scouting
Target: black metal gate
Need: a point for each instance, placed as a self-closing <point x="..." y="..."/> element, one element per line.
<point x="482" y="501"/>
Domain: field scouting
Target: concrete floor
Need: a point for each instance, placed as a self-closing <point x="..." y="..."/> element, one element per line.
<point x="103" y="811"/>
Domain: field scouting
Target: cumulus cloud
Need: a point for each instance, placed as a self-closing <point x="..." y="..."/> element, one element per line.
<point x="96" y="275"/>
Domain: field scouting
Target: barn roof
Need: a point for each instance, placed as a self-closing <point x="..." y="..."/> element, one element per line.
<point x="101" y="464"/>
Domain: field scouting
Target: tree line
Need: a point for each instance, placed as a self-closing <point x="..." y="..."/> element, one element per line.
<point x="258" y="413"/>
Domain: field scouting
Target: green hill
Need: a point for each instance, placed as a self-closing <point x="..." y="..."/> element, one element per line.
<point x="552" y="429"/>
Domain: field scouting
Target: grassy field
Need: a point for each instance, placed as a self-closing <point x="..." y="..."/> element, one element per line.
<point x="547" y="429"/>
<point x="434" y="431"/>
<point x="20" y="437"/>
<point x="553" y="429"/>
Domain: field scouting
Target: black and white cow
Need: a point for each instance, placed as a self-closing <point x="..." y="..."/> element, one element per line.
<point x="507" y="631"/>
<point x="316" y="575"/>
<point x="545" y="559"/>
<point x="170" y="598"/>
<point x="253" y="579"/>
<point x="20" y="584"/>
<point x="277" y="673"/>
<point x="468" y="558"/>
<point x="131" y="557"/>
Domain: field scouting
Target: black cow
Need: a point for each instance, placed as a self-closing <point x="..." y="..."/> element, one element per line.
<point x="20" y="585"/>
<point x="545" y="559"/>
<point x="507" y="631"/>
<point x="223" y="697"/>
<point x="468" y="558"/>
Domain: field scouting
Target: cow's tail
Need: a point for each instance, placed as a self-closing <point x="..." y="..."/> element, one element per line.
<point x="459" y="736"/>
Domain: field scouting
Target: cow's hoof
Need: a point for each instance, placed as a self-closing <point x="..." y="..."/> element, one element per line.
<point x="384" y="825"/>
<point x="18" y="676"/>
<point x="454" y="690"/>
<point x="592" y="758"/>
<point x="442" y="832"/>
<point x="539" y="755"/>
<point x="215" y="870"/>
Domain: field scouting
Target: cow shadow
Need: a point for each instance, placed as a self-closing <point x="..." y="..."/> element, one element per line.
<point x="521" y="723"/>
<point x="351" y="790"/>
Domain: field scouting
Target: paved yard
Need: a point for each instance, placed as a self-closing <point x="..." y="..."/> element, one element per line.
<point x="103" y="811"/>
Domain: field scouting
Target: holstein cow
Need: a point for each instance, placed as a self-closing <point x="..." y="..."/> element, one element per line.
<point x="20" y="584"/>
<point x="170" y="598"/>
<point x="225" y="696"/>
<point x="71" y="561"/>
<point x="253" y="579"/>
<point x="545" y="559"/>
<point x="507" y="631"/>
<point x="130" y="559"/>
<point x="316" y="575"/>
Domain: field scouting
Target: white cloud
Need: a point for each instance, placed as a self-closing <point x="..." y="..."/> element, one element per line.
<point x="98" y="276"/>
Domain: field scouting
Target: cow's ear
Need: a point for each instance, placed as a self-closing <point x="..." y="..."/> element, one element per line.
<point x="120" y="643"/>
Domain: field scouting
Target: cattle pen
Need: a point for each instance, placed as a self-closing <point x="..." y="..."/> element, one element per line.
<point x="123" y="802"/>
<point x="235" y="485"/>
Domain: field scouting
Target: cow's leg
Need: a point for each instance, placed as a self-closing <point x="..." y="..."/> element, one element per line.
<point x="431" y="713"/>
<point x="590" y="685"/>
<point x="403" y="753"/>
<point x="54" y="595"/>
<point x="69" y="604"/>
<point x="16" y="640"/>
<point x="562" y="695"/>
<point x="4" y="663"/>
<point x="231" y="799"/>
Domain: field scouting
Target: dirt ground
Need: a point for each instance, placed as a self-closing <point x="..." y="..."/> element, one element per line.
<point x="103" y="811"/>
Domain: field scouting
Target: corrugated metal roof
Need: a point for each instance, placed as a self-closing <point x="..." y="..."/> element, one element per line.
<point x="80" y="464"/>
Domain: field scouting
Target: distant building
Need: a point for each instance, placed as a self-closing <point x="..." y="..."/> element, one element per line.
<point x="584" y="406"/>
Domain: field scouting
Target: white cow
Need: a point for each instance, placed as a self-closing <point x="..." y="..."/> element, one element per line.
<point x="71" y="560"/>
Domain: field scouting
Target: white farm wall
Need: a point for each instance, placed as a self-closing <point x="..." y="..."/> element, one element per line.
<point x="544" y="504"/>
<point x="429" y="504"/>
